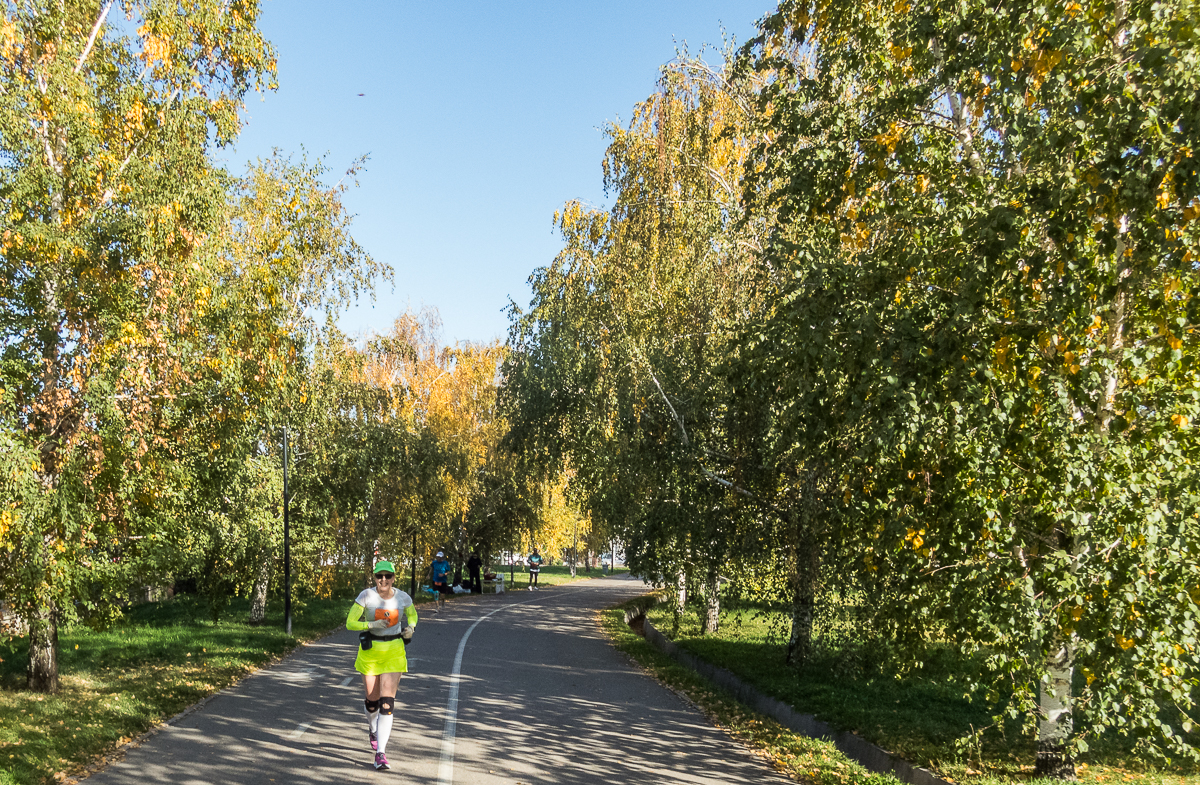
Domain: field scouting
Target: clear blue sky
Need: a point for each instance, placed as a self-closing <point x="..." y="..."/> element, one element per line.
<point x="480" y="119"/>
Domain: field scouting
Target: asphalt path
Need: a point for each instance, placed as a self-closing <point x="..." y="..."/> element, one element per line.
<point x="517" y="688"/>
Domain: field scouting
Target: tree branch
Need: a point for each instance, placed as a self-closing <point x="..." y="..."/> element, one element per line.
<point x="960" y="124"/>
<point x="87" y="49"/>
<point x="111" y="191"/>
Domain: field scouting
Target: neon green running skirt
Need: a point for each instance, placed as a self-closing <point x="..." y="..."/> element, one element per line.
<point x="382" y="657"/>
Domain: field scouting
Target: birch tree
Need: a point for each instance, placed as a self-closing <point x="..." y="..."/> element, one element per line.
<point x="283" y="263"/>
<point x="614" y="365"/>
<point x="106" y="192"/>
<point x="988" y="218"/>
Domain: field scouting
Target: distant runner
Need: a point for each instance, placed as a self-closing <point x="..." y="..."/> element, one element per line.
<point x="439" y="580"/>
<point x="382" y="637"/>
<point x="535" y="566"/>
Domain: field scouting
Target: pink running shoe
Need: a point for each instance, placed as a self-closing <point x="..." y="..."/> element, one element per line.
<point x="381" y="761"/>
<point x="374" y="740"/>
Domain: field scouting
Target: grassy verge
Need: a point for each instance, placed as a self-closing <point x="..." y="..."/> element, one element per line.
<point x="119" y="683"/>
<point x="924" y="717"/>
<point x="801" y="758"/>
<point x="549" y="576"/>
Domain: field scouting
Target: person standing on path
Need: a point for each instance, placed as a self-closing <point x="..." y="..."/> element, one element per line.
<point x="473" y="566"/>
<point x="384" y="618"/>
<point x="439" y="579"/>
<point x="535" y="566"/>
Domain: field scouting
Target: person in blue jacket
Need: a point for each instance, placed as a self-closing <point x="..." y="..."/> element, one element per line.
<point x="439" y="579"/>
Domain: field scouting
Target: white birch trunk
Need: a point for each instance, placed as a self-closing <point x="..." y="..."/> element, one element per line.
<point x="262" y="581"/>
<point x="712" y="610"/>
<point x="1055" y="723"/>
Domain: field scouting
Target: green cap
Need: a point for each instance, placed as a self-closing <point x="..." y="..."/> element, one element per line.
<point x="384" y="566"/>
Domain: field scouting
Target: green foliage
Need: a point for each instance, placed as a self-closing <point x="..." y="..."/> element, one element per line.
<point x="106" y="194"/>
<point x="936" y="351"/>
<point x="402" y="457"/>
<point x="613" y="375"/>
<point x="985" y="219"/>
<point x="157" y="316"/>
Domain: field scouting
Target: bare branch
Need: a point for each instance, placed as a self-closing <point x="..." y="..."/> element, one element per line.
<point x="675" y="414"/>
<point x="956" y="113"/>
<point x="87" y="49"/>
<point x="727" y="484"/>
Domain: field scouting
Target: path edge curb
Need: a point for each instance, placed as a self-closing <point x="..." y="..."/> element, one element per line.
<point x="871" y="756"/>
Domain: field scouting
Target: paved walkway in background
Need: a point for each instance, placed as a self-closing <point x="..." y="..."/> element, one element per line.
<point x="541" y="697"/>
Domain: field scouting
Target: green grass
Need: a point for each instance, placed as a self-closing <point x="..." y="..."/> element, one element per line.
<point x="802" y="758"/>
<point x="114" y="685"/>
<point x="923" y="716"/>
<point x="551" y="575"/>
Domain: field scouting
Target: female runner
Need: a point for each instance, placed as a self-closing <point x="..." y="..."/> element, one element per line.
<point x="385" y="618"/>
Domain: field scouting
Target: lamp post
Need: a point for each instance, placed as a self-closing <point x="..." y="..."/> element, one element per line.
<point x="412" y="578"/>
<point x="287" y="545"/>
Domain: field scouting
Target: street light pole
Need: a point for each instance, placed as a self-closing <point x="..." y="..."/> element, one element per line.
<point x="287" y="545"/>
<point x="574" y="545"/>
